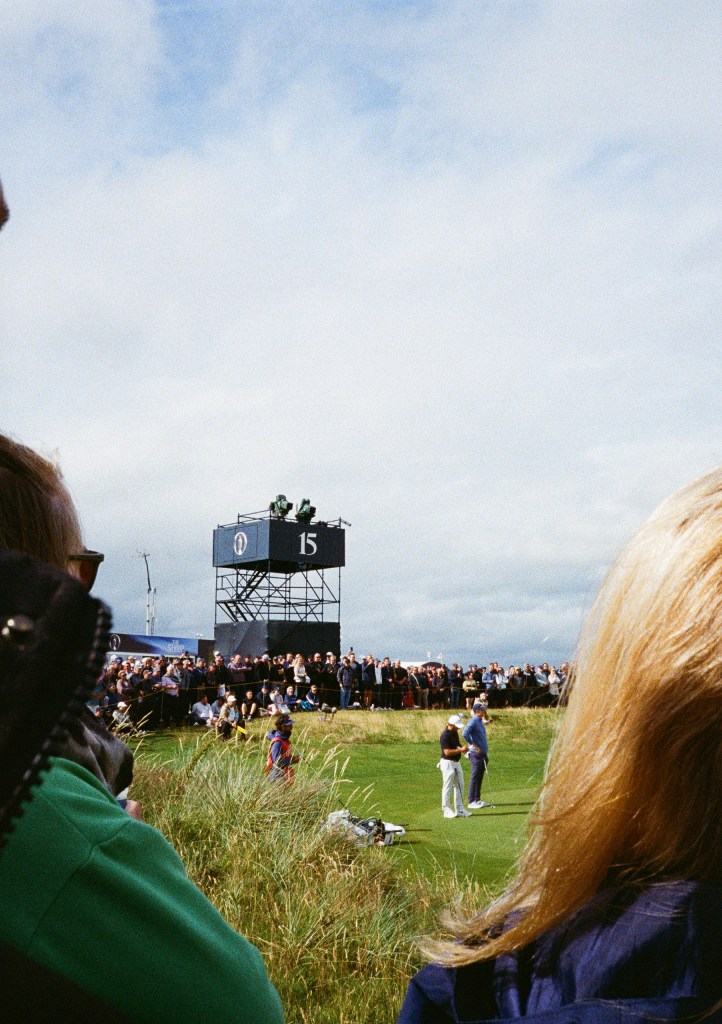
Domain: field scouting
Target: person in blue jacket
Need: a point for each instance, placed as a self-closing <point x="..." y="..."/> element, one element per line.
<point x="615" y="911"/>
<point x="475" y="735"/>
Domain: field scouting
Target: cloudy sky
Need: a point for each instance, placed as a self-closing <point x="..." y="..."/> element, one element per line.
<point x="450" y="268"/>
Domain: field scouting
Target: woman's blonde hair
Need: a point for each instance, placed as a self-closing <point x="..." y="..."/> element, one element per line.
<point x="37" y="515"/>
<point x="634" y="782"/>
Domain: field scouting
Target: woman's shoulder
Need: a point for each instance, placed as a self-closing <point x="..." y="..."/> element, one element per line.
<point x="442" y="995"/>
<point x="646" y="945"/>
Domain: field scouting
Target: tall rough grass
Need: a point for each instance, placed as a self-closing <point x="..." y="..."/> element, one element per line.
<point x="336" y="924"/>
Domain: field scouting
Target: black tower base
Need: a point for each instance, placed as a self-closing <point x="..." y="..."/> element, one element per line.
<point x="279" y="636"/>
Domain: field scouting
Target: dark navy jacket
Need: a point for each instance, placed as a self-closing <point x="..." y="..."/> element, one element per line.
<point x="626" y="957"/>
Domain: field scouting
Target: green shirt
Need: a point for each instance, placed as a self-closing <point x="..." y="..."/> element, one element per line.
<point x="104" y="900"/>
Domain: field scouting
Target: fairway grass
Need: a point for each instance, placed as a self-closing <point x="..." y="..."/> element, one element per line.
<point x="337" y="924"/>
<point x="389" y="771"/>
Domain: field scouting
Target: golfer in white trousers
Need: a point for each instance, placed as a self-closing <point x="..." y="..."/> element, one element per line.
<point x="452" y="773"/>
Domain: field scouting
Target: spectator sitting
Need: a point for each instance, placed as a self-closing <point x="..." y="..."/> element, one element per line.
<point x="263" y="699"/>
<point x="121" y="719"/>
<point x="202" y="712"/>
<point x="249" y="707"/>
<point x="217" y="707"/>
<point x="228" y="718"/>
<point x="290" y="699"/>
<point x="276" y="696"/>
<point x="312" y="700"/>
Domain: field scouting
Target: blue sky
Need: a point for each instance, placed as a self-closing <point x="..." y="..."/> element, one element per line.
<point x="452" y="270"/>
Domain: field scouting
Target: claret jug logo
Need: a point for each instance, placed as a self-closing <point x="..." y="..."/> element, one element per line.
<point x="240" y="542"/>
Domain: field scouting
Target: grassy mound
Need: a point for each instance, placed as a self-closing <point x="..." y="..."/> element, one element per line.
<point x="336" y="924"/>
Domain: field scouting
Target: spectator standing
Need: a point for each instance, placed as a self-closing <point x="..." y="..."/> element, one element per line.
<point x="368" y="681"/>
<point x="378" y="701"/>
<point x="355" y="674"/>
<point x="171" y="712"/>
<point x="470" y="687"/>
<point x="222" y="677"/>
<point x="184" y="674"/>
<point x="554" y="684"/>
<point x="199" y="675"/>
<point x="456" y="677"/>
<point x="237" y="671"/>
<point x="397" y="677"/>
<point x="300" y="675"/>
<point x="314" y="669"/>
<point x="345" y="679"/>
<point x="262" y="669"/>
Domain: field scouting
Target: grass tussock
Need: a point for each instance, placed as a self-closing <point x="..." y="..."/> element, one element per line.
<point x="337" y="925"/>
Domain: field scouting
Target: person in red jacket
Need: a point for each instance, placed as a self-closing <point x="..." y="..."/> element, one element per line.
<point x="279" y="766"/>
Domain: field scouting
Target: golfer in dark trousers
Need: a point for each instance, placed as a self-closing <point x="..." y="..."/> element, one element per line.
<point x="475" y="735"/>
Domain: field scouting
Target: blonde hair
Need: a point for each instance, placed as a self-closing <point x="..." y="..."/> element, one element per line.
<point x="634" y="783"/>
<point x="37" y="515"/>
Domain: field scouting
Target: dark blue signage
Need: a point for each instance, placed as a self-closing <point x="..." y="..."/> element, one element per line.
<point x="170" y="646"/>
<point x="289" y="546"/>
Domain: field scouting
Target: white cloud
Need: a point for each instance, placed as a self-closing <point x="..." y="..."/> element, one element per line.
<point x="452" y="274"/>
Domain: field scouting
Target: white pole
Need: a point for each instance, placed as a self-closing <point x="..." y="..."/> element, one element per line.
<point x="149" y="604"/>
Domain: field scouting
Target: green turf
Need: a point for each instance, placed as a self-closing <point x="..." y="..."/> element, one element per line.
<point x="391" y="773"/>
<point x="406" y="789"/>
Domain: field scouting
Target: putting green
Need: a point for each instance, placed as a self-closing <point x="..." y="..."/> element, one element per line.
<point x="406" y="789"/>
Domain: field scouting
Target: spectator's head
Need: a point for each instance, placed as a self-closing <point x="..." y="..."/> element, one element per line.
<point x="37" y="515"/>
<point x="204" y="698"/>
<point x="634" y="785"/>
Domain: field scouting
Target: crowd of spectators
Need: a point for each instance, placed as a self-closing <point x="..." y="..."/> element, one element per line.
<point x="160" y="691"/>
